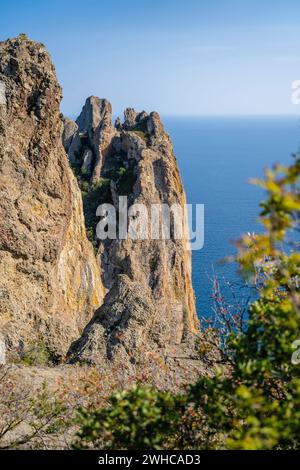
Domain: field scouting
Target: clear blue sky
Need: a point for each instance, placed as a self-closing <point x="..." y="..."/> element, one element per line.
<point x="175" y="56"/>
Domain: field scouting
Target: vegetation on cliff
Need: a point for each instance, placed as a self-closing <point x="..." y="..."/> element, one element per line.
<point x="257" y="405"/>
<point x="145" y="331"/>
<point x="252" y="403"/>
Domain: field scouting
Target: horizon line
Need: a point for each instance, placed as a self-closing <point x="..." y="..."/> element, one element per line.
<point x="234" y="115"/>
<point x="227" y="115"/>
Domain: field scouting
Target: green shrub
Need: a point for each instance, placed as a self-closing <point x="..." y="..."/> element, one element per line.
<point x="23" y="37"/>
<point x="101" y="184"/>
<point x="153" y="264"/>
<point x="141" y="134"/>
<point x="141" y="418"/>
<point x="121" y="171"/>
<point x="258" y="407"/>
<point x="126" y="181"/>
<point x="255" y="402"/>
<point x="36" y="353"/>
<point x="98" y="193"/>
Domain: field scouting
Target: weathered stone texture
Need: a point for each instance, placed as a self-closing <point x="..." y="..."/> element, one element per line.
<point x="49" y="284"/>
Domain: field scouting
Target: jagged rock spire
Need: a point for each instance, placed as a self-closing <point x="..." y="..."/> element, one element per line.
<point x="148" y="314"/>
<point x="92" y="131"/>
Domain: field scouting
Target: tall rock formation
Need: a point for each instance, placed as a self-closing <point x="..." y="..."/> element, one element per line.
<point x="49" y="281"/>
<point x="52" y="279"/>
<point x="148" y="315"/>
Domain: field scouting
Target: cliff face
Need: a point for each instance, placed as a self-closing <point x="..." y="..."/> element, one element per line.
<point x="148" y="315"/>
<point x="49" y="283"/>
<point x="53" y="280"/>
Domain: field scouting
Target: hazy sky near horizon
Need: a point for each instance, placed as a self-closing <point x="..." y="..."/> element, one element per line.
<point x="178" y="57"/>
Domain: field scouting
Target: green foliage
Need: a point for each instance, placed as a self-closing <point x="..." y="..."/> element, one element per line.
<point x="101" y="185"/>
<point x="85" y="188"/>
<point x="97" y="194"/>
<point x="141" y="134"/>
<point x="36" y="353"/>
<point x="254" y="403"/>
<point x="141" y="418"/>
<point x="258" y="407"/>
<point x="116" y="170"/>
<point x="124" y="177"/>
<point x="121" y="171"/>
<point x="23" y="37"/>
<point x="125" y="182"/>
<point x="153" y="264"/>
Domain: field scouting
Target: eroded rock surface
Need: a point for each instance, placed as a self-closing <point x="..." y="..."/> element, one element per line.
<point x="53" y="280"/>
<point x="148" y="315"/>
<point x="49" y="282"/>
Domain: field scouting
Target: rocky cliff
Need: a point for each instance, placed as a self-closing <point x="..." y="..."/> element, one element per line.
<point x="53" y="279"/>
<point x="148" y="315"/>
<point x="49" y="282"/>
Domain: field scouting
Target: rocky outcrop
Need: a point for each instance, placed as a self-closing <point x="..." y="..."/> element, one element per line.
<point x="69" y="130"/>
<point x="148" y="315"/>
<point x="89" y="137"/>
<point x="53" y="280"/>
<point x="49" y="283"/>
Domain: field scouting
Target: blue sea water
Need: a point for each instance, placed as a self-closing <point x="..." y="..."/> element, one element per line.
<point x="217" y="156"/>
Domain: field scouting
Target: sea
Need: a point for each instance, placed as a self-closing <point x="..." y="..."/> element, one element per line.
<point x="217" y="156"/>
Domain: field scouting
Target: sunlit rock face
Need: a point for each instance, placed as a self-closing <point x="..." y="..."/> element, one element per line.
<point x="117" y="303"/>
<point x="49" y="282"/>
<point x="148" y="316"/>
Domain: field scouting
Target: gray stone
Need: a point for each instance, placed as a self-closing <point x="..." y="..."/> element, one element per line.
<point x="2" y="94"/>
<point x="70" y="129"/>
<point x="2" y="352"/>
<point x="87" y="161"/>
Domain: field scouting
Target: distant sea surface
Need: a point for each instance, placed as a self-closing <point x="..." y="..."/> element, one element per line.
<point x="217" y="156"/>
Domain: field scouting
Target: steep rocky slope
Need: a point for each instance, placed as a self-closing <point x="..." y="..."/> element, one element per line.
<point x="49" y="282"/>
<point x="123" y="304"/>
<point x="148" y="315"/>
